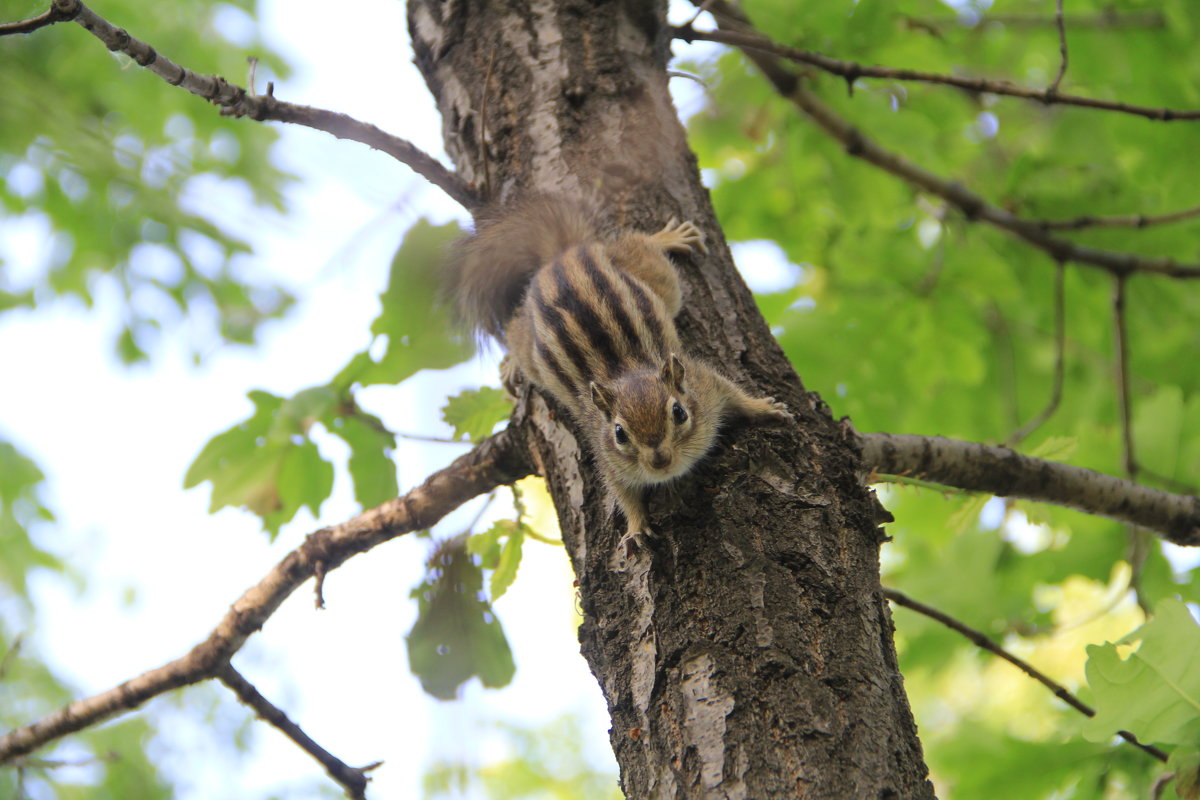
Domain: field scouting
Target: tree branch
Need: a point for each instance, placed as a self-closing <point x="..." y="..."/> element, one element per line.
<point x="1121" y="377"/>
<point x="974" y="207"/>
<point x="979" y="639"/>
<point x="1060" y="348"/>
<point x="1052" y="89"/>
<point x="52" y="15"/>
<point x="1005" y="473"/>
<point x="237" y="102"/>
<point x="747" y="40"/>
<point x="497" y="460"/>
<point x="1106" y="18"/>
<point x="1124" y="221"/>
<point x="353" y="779"/>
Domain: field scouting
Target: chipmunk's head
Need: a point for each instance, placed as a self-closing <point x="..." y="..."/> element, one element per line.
<point x="650" y="422"/>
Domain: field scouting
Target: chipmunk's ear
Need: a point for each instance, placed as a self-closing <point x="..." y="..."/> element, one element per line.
<point x="672" y="373"/>
<point x="603" y="397"/>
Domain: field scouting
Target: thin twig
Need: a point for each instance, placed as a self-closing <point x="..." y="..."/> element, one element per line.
<point x="1052" y="89"/>
<point x="979" y="639"/>
<point x="11" y="654"/>
<point x="973" y="207"/>
<point x="1107" y="18"/>
<point x="52" y="15"/>
<point x="497" y="460"/>
<point x="237" y="102"/>
<point x="850" y="70"/>
<point x="353" y="779"/>
<point x="1139" y="543"/>
<point x="1121" y="377"/>
<point x="1123" y="221"/>
<point x="420" y="437"/>
<point x="1060" y="346"/>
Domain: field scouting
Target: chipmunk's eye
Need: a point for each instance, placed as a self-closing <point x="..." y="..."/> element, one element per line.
<point x="620" y="435"/>
<point x="679" y="414"/>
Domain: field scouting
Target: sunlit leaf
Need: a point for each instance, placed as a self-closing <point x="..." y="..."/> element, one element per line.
<point x="1153" y="692"/>
<point x="476" y="412"/>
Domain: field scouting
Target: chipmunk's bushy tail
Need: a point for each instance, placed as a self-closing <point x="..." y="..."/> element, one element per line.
<point x="488" y="272"/>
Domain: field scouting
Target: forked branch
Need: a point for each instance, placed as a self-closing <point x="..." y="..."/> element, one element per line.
<point x="497" y="460"/>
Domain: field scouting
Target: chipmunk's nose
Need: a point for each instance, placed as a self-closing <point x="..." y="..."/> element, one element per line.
<point x="660" y="459"/>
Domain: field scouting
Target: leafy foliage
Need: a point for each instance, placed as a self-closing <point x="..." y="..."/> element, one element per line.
<point x="543" y="762"/>
<point x="111" y="170"/>
<point x="909" y="317"/>
<point x="21" y="506"/>
<point x="456" y="635"/>
<point x="905" y="315"/>
<point x="1154" y="693"/>
<point x="269" y="465"/>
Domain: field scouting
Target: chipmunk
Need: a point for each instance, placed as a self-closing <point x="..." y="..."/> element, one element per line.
<point x="592" y="324"/>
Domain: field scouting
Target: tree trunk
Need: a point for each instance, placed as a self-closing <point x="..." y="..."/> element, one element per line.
<point x="748" y="652"/>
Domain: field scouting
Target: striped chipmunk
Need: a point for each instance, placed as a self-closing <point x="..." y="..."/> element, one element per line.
<point x="592" y="324"/>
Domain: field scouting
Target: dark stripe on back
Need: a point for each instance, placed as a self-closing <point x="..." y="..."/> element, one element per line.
<point x="608" y="294"/>
<point x="551" y="362"/>
<point x="590" y="324"/>
<point x="562" y="335"/>
<point x="653" y="323"/>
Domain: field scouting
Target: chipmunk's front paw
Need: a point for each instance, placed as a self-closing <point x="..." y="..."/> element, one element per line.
<point x="681" y="237"/>
<point x="775" y="412"/>
<point x="511" y="377"/>
<point x="633" y="544"/>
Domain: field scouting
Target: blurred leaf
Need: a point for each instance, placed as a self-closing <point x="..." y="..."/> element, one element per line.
<point x="105" y="170"/>
<point x="979" y="763"/>
<point x="21" y="507"/>
<point x="1185" y="763"/>
<point x="1055" y="448"/>
<point x="476" y="412"/>
<point x="1154" y="693"/>
<point x="509" y="559"/>
<point x="456" y="635"/>
<point x="417" y="329"/>
<point x="539" y="762"/>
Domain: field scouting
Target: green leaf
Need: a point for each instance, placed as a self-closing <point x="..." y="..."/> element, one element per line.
<point x="456" y="635"/>
<point x="418" y="329"/>
<point x="476" y="412"/>
<point x="1055" y="448"/>
<point x="21" y="508"/>
<point x="1154" y="692"/>
<point x="486" y="545"/>
<point x="1185" y="763"/>
<point x="265" y="464"/>
<point x="509" y="561"/>
<point x="984" y="763"/>
<point x="371" y="449"/>
<point x="1158" y="429"/>
<point x="305" y="479"/>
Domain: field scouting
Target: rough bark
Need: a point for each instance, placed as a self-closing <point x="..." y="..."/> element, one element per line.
<point x="748" y="653"/>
